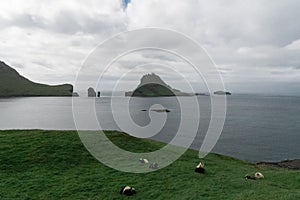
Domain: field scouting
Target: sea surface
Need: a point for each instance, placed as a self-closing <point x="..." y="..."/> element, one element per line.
<point x="257" y="128"/>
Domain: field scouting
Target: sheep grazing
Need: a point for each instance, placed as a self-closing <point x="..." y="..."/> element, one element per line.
<point x="248" y="177"/>
<point x="127" y="191"/>
<point x="259" y="175"/>
<point x="200" y="168"/>
<point x="143" y="160"/>
<point x="154" y="166"/>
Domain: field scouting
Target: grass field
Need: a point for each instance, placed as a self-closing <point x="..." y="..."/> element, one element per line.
<point x="36" y="164"/>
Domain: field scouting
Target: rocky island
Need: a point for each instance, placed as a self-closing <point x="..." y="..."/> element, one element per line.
<point x="91" y="92"/>
<point x="12" y="84"/>
<point x="151" y="85"/>
<point x="222" y="93"/>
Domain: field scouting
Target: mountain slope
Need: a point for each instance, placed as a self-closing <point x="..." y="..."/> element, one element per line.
<point x="12" y="84"/>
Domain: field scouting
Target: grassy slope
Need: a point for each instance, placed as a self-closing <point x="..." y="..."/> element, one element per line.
<point x="13" y="84"/>
<point x="152" y="90"/>
<point x="54" y="165"/>
<point x="156" y="90"/>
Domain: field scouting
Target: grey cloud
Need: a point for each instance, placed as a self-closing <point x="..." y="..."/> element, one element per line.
<point x="249" y="39"/>
<point x="283" y="21"/>
<point x="44" y="63"/>
<point x="17" y="65"/>
<point x="28" y="20"/>
<point x="251" y="23"/>
<point x="70" y="22"/>
<point x="76" y="43"/>
<point x="24" y="20"/>
<point x="159" y="57"/>
<point x="67" y="22"/>
<point x="279" y="72"/>
<point x="297" y="67"/>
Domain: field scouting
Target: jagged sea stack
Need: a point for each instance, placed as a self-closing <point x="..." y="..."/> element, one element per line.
<point x="91" y="92"/>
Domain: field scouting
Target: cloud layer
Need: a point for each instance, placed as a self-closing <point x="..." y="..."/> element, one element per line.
<point x="254" y="43"/>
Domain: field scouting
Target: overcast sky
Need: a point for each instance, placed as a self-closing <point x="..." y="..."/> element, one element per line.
<point x="254" y="43"/>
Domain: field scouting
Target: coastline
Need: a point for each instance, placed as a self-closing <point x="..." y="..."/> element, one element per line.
<point x="293" y="164"/>
<point x="289" y="164"/>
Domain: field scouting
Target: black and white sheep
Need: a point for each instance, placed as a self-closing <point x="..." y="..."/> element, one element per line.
<point x="154" y="166"/>
<point x="257" y="175"/>
<point x="127" y="191"/>
<point x="200" y="168"/>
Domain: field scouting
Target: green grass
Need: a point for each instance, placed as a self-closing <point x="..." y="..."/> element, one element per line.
<point x="38" y="164"/>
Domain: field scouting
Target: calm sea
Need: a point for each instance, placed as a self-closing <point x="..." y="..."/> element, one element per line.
<point x="257" y="128"/>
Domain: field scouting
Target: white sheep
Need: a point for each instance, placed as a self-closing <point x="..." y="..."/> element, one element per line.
<point x="143" y="160"/>
<point x="258" y="175"/>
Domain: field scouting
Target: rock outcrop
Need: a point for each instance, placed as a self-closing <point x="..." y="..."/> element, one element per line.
<point x="91" y="92"/>
<point x="222" y="93"/>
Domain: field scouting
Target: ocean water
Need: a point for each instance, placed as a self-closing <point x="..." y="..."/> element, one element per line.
<point x="257" y="128"/>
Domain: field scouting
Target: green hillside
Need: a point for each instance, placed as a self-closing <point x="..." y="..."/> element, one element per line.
<point x="12" y="84"/>
<point x="36" y="164"/>
<point x="151" y="85"/>
<point x="152" y="90"/>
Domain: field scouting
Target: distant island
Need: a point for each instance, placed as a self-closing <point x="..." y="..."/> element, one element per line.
<point x="151" y="85"/>
<point x="222" y="93"/>
<point x="91" y="92"/>
<point x="12" y="84"/>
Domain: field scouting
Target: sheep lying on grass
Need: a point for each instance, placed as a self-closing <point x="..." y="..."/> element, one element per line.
<point x="154" y="166"/>
<point x="248" y="177"/>
<point x="143" y="160"/>
<point x="257" y="175"/>
<point x="127" y="191"/>
<point x="200" y="168"/>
